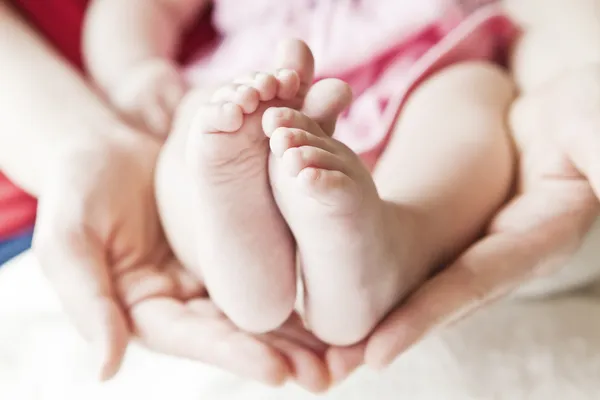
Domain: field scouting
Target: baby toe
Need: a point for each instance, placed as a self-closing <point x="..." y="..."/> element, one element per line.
<point x="266" y="84"/>
<point x="296" y="159"/>
<point x="288" y="84"/>
<point x="244" y="96"/>
<point x="283" y="139"/>
<point x="331" y="188"/>
<point x="248" y="98"/>
<point x="223" y="117"/>
<point x="284" y="117"/>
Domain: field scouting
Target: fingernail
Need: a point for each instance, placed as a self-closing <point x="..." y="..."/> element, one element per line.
<point x="379" y="364"/>
<point x="384" y="359"/>
<point x="380" y="358"/>
<point x="338" y="378"/>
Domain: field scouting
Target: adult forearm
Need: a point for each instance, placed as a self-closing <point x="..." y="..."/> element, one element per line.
<point x="46" y="107"/>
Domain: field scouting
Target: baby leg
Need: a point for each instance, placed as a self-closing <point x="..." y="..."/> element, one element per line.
<point x="450" y="163"/>
<point x="362" y="247"/>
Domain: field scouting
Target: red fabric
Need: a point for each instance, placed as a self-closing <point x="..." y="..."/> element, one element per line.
<point x="60" y="22"/>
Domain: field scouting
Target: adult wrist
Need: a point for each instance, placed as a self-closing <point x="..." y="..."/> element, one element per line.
<point x="94" y="147"/>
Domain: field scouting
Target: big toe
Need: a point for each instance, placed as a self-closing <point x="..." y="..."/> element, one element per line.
<point x="295" y="55"/>
<point x="325" y="101"/>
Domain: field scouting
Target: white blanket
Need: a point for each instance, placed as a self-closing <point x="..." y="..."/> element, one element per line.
<point x="515" y="350"/>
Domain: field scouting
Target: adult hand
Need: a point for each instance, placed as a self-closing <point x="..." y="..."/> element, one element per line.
<point x="557" y="133"/>
<point x="99" y="240"/>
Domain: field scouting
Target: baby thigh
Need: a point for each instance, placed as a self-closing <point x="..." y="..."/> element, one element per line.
<point x="450" y="159"/>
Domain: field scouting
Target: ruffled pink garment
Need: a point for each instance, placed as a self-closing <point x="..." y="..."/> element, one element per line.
<point x="382" y="48"/>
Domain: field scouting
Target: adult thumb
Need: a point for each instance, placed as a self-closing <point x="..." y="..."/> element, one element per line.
<point x="74" y="261"/>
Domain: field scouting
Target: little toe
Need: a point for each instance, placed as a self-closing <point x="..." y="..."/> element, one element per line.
<point x="224" y="93"/>
<point x="284" y="117"/>
<point x="288" y="84"/>
<point x="244" y="96"/>
<point x="331" y="188"/>
<point x="266" y="84"/>
<point x="223" y="117"/>
<point x="283" y="139"/>
<point x="296" y="159"/>
<point x="248" y="98"/>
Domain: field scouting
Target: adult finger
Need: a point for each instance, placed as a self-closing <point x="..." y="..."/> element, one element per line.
<point x="168" y="326"/>
<point x="568" y="111"/>
<point x="304" y="352"/>
<point x="486" y="271"/>
<point x="307" y="368"/>
<point x="583" y="147"/>
<point x="342" y="361"/>
<point x="74" y="261"/>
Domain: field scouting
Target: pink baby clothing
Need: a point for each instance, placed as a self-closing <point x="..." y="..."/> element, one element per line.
<point x="382" y="48"/>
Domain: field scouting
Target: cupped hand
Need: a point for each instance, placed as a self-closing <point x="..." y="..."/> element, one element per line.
<point x="99" y="240"/>
<point x="557" y="136"/>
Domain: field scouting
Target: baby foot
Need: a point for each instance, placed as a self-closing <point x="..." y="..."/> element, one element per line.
<point x="149" y="95"/>
<point x="245" y="248"/>
<point x="345" y="233"/>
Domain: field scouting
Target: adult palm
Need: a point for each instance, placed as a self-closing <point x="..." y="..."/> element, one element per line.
<point x="100" y="242"/>
<point x="557" y="136"/>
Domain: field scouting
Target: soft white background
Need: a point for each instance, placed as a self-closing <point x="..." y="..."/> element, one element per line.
<point x="515" y="350"/>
